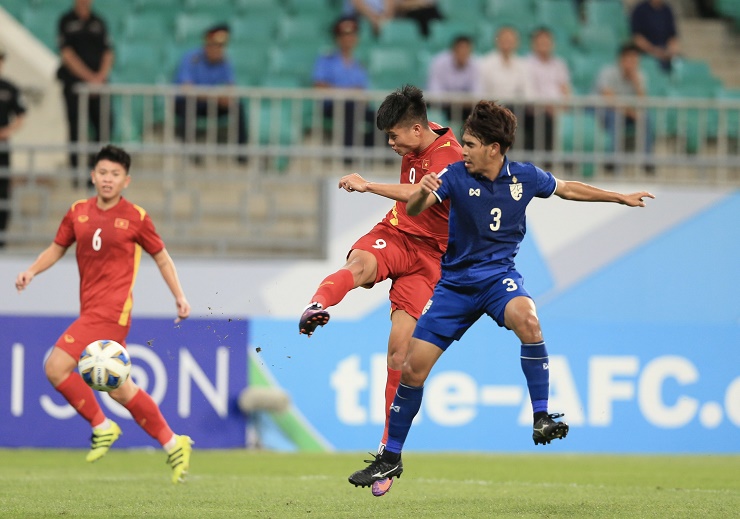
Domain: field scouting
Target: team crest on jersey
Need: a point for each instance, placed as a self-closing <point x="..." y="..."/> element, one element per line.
<point x="83" y="218"/>
<point x="68" y="338"/>
<point x="426" y="307"/>
<point x="120" y="223"/>
<point x="516" y="191"/>
<point x="425" y="164"/>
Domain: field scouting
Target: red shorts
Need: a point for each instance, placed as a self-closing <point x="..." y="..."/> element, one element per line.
<point x="87" y="329"/>
<point x="410" y="262"/>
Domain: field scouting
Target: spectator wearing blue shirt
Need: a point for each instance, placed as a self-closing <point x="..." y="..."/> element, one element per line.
<point x="653" y="28"/>
<point x="208" y="66"/>
<point x="340" y="69"/>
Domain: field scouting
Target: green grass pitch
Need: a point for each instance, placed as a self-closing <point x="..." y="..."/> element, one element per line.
<point x="239" y="483"/>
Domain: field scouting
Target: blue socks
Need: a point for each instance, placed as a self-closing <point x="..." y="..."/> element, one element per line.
<point x="405" y="406"/>
<point x="535" y="365"/>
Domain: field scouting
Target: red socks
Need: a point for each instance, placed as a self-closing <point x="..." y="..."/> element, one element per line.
<point x="147" y="414"/>
<point x="82" y="398"/>
<point x="334" y="288"/>
<point x="391" y="385"/>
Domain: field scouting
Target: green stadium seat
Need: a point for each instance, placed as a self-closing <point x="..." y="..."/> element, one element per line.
<point x="390" y="68"/>
<point x="601" y="39"/>
<point x="400" y="31"/>
<point x="561" y="12"/>
<point x="442" y="32"/>
<point x="296" y="61"/>
<point x="189" y="28"/>
<point x="608" y="15"/>
<point x="472" y="12"/>
<point x="14" y="7"/>
<point x="43" y="21"/>
<point x="150" y="27"/>
<point x="585" y="68"/>
<point x="253" y="30"/>
<point x="581" y="132"/>
<point x="506" y="8"/>
<point x="304" y="30"/>
<point x="224" y="10"/>
<point x="139" y="62"/>
<point x="311" y="7"/>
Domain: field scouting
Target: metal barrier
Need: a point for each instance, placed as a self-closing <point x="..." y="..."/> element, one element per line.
<point x="238" y="171"/>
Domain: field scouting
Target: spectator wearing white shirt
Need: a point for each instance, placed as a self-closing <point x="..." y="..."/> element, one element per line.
<point x="550" y="79"/>
<point x="502" y="74"/>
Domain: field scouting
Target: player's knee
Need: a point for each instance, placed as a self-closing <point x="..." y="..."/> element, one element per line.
<point x="527" y="328"/>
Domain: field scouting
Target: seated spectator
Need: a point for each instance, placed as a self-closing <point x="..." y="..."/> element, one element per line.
<point x="12" y="110"/>
<point x="504" y="76"/>
<point x="340" y="69"/>
<point x="207" y="66"/>
<point x="550" y="81"/>
<point x="654" y="31"/>
<point x="423" y="11"/>
<point x="454" y="71"/>
<point x="624" y="124"/>
<point x="377" y="12"/>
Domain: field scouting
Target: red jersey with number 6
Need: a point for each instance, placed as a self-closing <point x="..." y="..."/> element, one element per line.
<point x="432" y="223"/>
<point x="109" y="245"/>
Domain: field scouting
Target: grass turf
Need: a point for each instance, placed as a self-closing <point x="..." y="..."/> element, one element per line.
<point x="59" y="483"/>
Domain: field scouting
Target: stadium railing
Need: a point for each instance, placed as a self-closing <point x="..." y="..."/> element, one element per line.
<point x="212" y="195"/>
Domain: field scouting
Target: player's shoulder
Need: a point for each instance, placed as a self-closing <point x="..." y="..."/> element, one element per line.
<point x="455" y="169"/>
<point x="521" y="169"/>
<point x="81" y="205"/>
<point x="129" y="210"/>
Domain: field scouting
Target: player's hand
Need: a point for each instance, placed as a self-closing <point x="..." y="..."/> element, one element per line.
<point x="23" y="279"/>
<point x="353" y="182"/>
<point x="183" y="309"/>
<point x="429" y="183"/>
<point x="636" y="199"/>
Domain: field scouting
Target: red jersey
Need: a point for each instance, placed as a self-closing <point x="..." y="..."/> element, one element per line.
<point x="109" y="247"/>
<point x="432" y="223"/>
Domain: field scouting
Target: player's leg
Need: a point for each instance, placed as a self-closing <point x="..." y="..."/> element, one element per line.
<point x="422" y="356"/>
<point x="61" y="371"/>
<point x="360" y="269"/>
<point x="147" y="414"/>
<point x="520" y="315"/>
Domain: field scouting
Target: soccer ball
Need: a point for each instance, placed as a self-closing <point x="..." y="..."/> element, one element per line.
<point x="104" y="365"/>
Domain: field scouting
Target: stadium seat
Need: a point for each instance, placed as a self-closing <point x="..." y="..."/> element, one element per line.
<point x="608" y="14"/>
<point x="472" y="12"/>
<point x="311" y="7"/>
<point x="400" y="31"/>
<point x="581" y="132"/>
<point x="139" y="62"/>
<point x="14" y="7"/>
<point x="597" y="38"/>
<point x="442" y="32"/>
<point x="561" y="12"/>
<point x="253" y="30"/>
<point x="43" y="21"/>
<point x="224" y="10"/>
<point x="506" y="8"/>
<point x="585" y="68"/>
<point x="189" y="28"/>
<point x="150" y="27"/>
<point x="304" y="30"/>
<point x="295" y="60"/>
<point x="392" y="68"/>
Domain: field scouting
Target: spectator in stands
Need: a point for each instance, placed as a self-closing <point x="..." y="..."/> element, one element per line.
<point x="625" y="123"/>
<point x="550" y="80"/>
<point x="86" y="57"/>
<point x="654" y="31"/>
<point x="12" y="110"/>
<point x="340" y="69"/>
<point x="422" y="11"/>
<point x="208" y="66"/>
<point x="377" y="12"/>
<point x="454" y="71"/>
<point x="504" y="76"/>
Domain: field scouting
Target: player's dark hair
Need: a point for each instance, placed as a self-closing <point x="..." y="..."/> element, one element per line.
<point x="405" y="106"/>
<point x="114" y="154"/>
<point x="490" y="122"/>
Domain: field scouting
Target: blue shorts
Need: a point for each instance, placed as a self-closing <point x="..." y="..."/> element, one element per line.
<point x="453" y="309"/>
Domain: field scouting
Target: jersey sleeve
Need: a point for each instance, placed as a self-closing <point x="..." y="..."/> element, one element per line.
<point x="66" y="232"/>
<point x="149" y="239"/>
<point x="443" y="156"/>
<point x="447" y="175"/>
<point x="546" y="183"/>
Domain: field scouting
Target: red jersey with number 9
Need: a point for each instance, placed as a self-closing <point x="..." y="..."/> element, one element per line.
<point x="109" y="245"/>
<point x="432" y="223"/>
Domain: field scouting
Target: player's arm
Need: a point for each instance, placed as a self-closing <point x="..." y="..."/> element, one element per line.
<point x="580" y="192"/>
<point x="355" y="182"/>
<point x="169" y="274"/>
<point x="424" y="197"/>
<point x="46" y="259"/>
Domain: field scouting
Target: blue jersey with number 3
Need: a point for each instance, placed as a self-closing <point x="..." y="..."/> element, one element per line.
<point x="487" y="218"/>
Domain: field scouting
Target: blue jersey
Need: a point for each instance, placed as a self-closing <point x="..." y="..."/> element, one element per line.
<point x="487" y="218"/>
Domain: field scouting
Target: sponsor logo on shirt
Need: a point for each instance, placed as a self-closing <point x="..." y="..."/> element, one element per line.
<point x="83" y="218"/>
<point x="474" y="192"/>
<point x="120" y="223"/>
<point x="426" y="307"/>
<point x="68" y="338"/>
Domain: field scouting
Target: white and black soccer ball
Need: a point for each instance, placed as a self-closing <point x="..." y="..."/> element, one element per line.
<point x="104" y="365"/>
